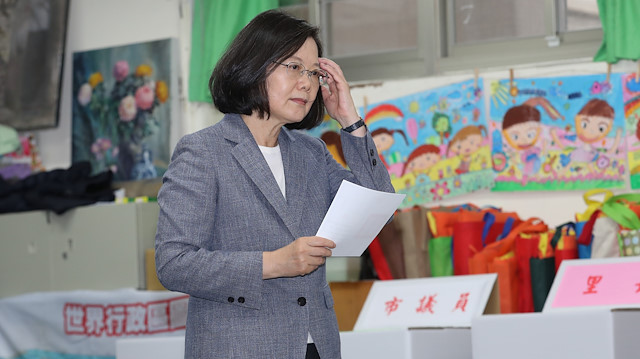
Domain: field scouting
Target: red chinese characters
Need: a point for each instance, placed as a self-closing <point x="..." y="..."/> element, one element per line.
<point x="392" y="305"/>
<point x="115" y="320"/>
<point x="426" y="305"/>
<point x="592" y="282"/>
<point x="462" y="302"/>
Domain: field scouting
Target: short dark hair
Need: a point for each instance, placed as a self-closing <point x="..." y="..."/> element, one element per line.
<point x="238" y="82"/>
<point x="520" y="114"/>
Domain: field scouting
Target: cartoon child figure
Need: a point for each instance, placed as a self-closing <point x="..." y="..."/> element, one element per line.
<point x="383" y="139"/>
<point x="521" y="128"/>
<point x="593" y="123"/>
<point x="422" y="159"/>
<point x="465" y="144"/>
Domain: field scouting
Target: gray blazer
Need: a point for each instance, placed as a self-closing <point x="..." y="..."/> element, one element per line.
<point x="220" y="208"/>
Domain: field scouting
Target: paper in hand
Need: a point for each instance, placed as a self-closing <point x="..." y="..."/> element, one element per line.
<point x="356" y="216"/>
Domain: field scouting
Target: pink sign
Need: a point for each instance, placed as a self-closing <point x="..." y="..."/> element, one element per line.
<point x="599" y="285"/>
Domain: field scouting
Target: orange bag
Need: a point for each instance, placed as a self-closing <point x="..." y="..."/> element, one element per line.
<point x="506" y="268"/>
<point x="488" y="261"/>
<point x="475" y="230"/>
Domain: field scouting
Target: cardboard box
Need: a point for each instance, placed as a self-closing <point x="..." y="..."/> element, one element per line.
<point x="161" y="347"/>
<point x="414" y="343"/>
<point x="348" y="299"/>
<point x="375" y="344"/>
<point x="590" y="333"/>
<point x="153" y="283"/>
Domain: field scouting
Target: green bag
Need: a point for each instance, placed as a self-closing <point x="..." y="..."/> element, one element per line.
<point x="628" y="237"/>
<point x="440" y="259"/>
<point x="543" y="271"/>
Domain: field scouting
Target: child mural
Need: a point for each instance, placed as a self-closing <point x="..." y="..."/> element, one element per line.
<point x="631" y="97"/>
<point x="383" y="138"/>
<point x="422" y="159"/>
<point x="521" y="128"/>
<point x="466" y="144"/>
<point x="572" y="142"/>
<point x="434" y="144"/>
<point x="593" y="124"/>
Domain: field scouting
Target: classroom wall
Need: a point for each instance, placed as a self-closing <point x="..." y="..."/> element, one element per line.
<point x="98" y="23"/>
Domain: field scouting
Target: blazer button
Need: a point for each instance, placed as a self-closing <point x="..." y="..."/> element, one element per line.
<point x="371" y="152"/>
<point x="302" y="301"/>
<point x="230" y="299"/>
<point x="374" y="162"/>
<point x="240" y="299"/>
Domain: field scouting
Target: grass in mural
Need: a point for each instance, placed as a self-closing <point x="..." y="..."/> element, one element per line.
<point x="557" y="185"/>
<point x="635" y="181"/>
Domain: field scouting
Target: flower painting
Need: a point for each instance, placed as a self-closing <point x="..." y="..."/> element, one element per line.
<point x="122" y="109"/>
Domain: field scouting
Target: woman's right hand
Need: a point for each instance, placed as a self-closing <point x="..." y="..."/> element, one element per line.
<point x="300" y="257"/>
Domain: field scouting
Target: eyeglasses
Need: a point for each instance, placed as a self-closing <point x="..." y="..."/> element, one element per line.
<point x="296" y="70"/>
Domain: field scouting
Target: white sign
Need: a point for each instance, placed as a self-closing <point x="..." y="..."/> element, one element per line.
<point x="86" y="323"/>
<point x="356" y="216"/>
<point x="426" y="302"/>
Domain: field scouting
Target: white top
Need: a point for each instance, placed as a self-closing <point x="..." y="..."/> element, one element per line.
<point x="274" y="159"/>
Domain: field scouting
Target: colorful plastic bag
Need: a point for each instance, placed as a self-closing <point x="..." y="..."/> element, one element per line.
<point x="415" y="235"/>
<point x="564" y="243"/>
<point x="618" y="209"/>
<point x="474" y="230"/>
<point x="545" y="264"/>
<point x="582" y="220"/>
<point x="499" y="257"/>
<point x="531" y="248"/>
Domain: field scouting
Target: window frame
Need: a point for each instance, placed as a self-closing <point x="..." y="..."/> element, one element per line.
<point x="437" y="54"/>
<point x="555" y="46"/>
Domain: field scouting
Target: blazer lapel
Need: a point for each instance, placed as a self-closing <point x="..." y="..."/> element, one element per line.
<point x="295" y="172"/>
<point x="248" y="155"/>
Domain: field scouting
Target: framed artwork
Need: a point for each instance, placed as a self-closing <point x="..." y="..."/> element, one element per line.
<point x="32" y="39"/>
<point x="122" y="108"/>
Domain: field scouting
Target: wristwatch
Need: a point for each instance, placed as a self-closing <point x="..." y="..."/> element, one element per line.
<point x="354" y="126"/>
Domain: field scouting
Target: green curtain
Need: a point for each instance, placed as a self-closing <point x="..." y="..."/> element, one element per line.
<point x="621" y="29"/>
<point x="215" y="24"/>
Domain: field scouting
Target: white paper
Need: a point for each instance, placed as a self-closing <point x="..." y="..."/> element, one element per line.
<point x="356" y="216"/>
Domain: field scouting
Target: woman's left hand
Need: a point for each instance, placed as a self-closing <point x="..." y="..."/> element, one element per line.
<point x="337" y="95"/>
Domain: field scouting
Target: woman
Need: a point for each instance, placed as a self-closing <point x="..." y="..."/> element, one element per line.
<point x="242" y="200"/>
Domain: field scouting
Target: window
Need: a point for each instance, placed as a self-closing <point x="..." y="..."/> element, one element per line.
<point x="363" y="27"/>
<point x="577" y="15"/>
<point x="297" y="8"/>
<point x="481" y="21"/>
<point x="490" y="33"/>
<point x="382" y="39"/>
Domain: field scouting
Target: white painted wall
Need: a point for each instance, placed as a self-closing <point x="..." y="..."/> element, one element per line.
<point x="98" y="23"/>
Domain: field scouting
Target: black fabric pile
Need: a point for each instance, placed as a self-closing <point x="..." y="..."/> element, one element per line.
<point x="56" y="190"/>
